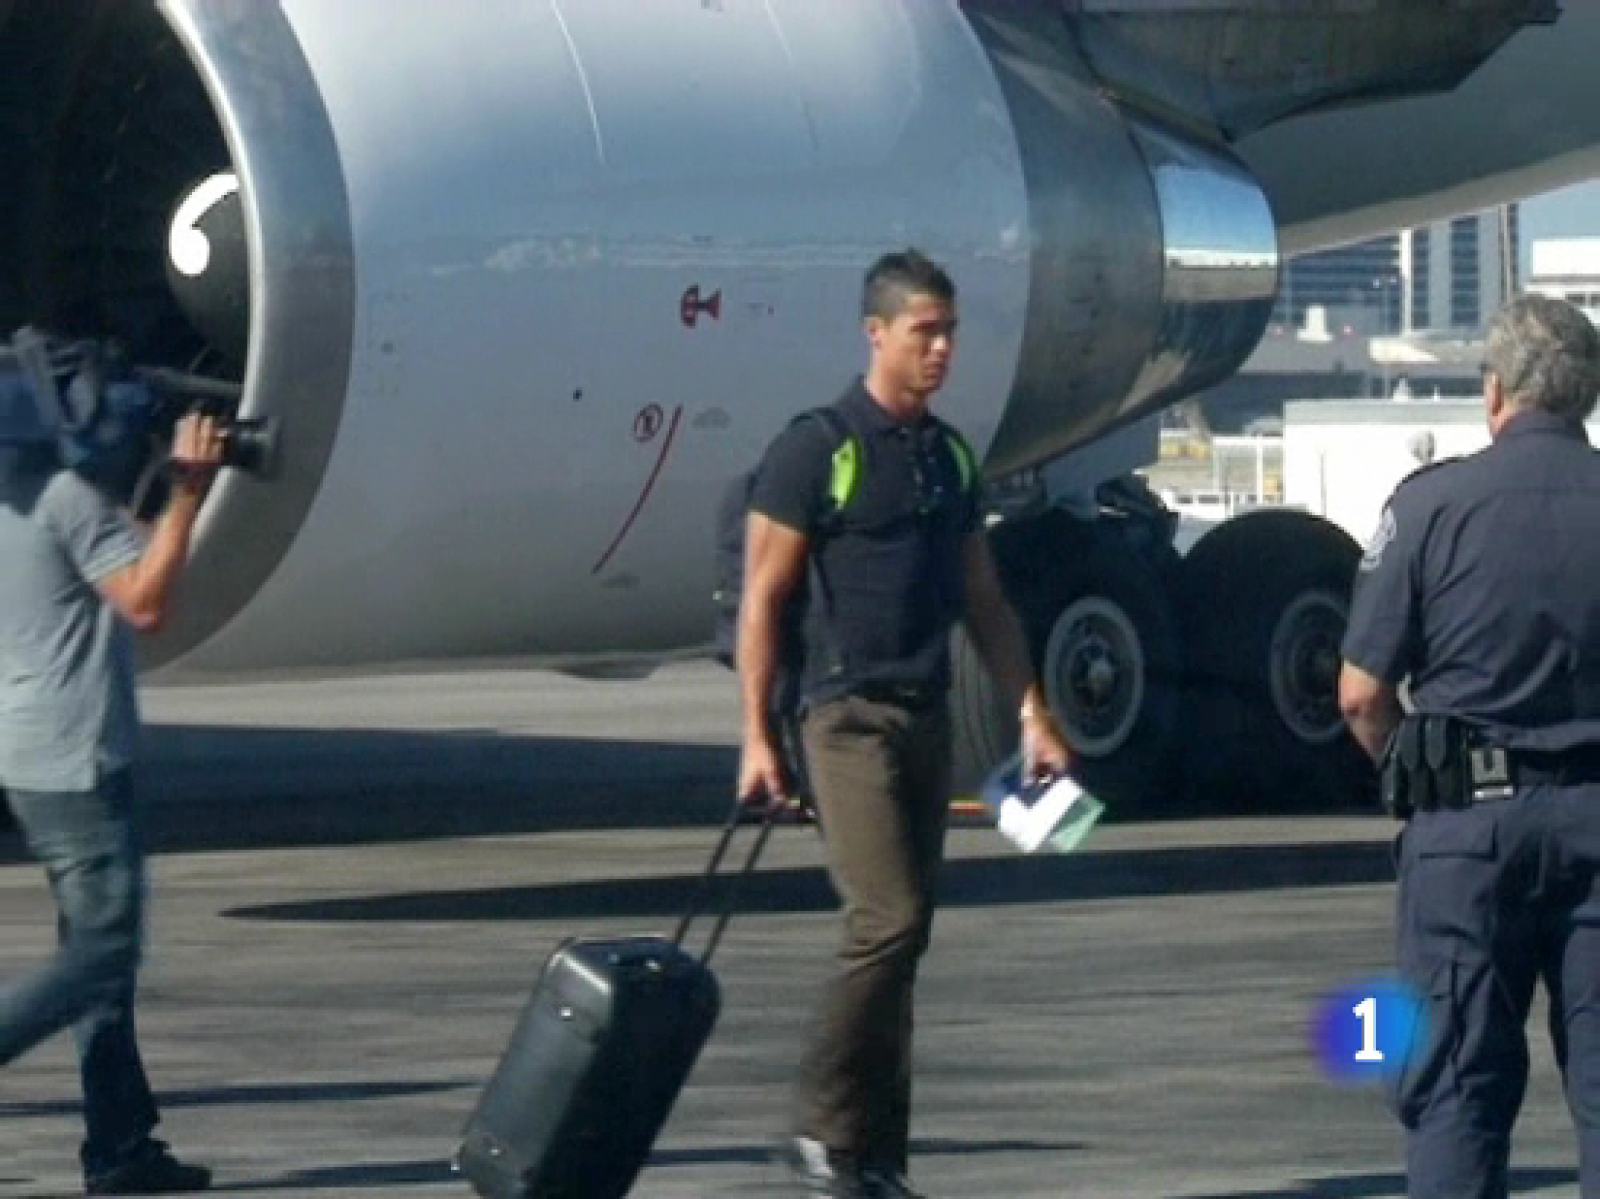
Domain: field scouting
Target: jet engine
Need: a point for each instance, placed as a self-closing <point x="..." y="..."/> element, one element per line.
<point x="522" y="283"/>
<point x="463" y="313"/>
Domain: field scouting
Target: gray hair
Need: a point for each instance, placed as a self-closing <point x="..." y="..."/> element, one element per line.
<point x="1546" y="355"/>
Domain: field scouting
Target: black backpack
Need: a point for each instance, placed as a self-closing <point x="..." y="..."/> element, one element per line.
<point x="732" y="515"/>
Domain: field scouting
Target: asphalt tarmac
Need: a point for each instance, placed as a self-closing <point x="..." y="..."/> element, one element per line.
<point x="355" y="884"/>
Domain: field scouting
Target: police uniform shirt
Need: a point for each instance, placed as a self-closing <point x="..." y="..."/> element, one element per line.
<point x="891" y="561"/>
<point x="1482" y="584"/>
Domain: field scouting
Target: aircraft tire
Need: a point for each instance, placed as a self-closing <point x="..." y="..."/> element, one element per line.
<point x="1105" y="647"/>
<point x="1264" y="598"/>
<point x="983" y="726"/>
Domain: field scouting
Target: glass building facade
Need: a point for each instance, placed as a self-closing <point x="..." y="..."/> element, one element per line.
<point x="1449" y="276"/>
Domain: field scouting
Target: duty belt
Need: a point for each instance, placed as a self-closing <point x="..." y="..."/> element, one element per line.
<point x="1439" y="762"/>
<point x="1555" y="768"/>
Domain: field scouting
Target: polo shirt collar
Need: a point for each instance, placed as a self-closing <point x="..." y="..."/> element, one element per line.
<point x="873" y="415"/>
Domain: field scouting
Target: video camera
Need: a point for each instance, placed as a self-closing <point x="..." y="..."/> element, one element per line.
<point x="111" y="421"/>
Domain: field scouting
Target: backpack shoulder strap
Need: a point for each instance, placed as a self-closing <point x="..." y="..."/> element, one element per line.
<point x="966" y="460"/>
<point x="846" y="463"/>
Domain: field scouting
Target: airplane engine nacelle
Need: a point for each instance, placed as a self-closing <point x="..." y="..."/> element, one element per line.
<point x="526" y="282"/>
<point x="1155" y="254"/>
<point x="181" y="191"/>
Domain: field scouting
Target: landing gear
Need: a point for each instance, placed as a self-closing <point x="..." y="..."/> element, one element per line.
<point x="1264" y="599"/>
<point x="1105" y="649"/>
<point x="983" y="726"/>
<point x="1208" y="681"/>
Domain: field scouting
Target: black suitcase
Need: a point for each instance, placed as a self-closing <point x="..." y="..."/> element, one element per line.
<point x="598" y="1057"/>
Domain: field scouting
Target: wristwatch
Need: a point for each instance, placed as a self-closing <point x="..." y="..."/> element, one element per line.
<point x="190" y="476"/>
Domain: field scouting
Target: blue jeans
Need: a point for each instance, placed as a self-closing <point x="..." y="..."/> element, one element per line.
<point x="90" y="846"/>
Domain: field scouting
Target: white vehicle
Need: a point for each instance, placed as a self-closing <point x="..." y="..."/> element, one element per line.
<point x="1344" y="458"/>
<point x="1213" y="506"/>
<point x="527" y="281"/>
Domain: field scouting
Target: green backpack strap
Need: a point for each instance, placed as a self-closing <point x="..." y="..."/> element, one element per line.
<point x="966" y="460"/>
<point x="845" y="472"/>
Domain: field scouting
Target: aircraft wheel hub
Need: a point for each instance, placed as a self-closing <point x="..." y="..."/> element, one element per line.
<point x="1094" y="674"/>
<point x="1304" y="667"/>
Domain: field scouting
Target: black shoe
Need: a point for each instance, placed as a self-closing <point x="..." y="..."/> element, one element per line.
<point x="153" y="1172"/>
<point x="825" y="1173"/>
<point x="888" y="1182"/>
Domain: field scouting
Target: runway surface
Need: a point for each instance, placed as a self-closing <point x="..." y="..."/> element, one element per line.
<point x="356" y="882"/>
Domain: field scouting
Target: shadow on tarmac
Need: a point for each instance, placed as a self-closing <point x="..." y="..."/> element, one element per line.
<point x="437" y="1173"/>
<point x="213" y="789"/>
<point x="975" y="882"/>
<point x="250" y="1096"/>
<point x="377" y="1175"/>
<point x="1385" y="1186"/>
<point x="223" y="788"/>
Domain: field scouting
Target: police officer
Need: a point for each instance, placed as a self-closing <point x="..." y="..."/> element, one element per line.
<point x="1482" y="587"/>
<point x="77" y="574"/>
<point x="897" y="564"/>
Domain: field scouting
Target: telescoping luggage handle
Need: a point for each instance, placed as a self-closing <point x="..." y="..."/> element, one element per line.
<point x="697" y="904"/>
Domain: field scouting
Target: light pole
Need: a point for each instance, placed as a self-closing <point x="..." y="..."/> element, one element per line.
<point x="1384" y="284"/>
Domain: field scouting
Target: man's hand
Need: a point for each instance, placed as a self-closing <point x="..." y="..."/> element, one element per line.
<point x="775" y="563"/>
<point x="761" y="781"/>
<point x="1371" y="708"/>
<point x="1044" y="749"/>
<point x="142" y="593"/>
<point x="196" y="451"/>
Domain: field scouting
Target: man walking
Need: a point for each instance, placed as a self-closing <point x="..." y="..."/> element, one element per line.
<point x="1483" y="587"/>
<point x="884" y="529"/>
<point x="77" y="573"/>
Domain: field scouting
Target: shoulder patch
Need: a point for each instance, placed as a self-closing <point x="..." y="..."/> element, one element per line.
<point x="1388" y="527"/>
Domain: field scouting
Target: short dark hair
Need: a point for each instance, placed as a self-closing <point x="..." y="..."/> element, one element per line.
<point x="895" y="278"/>
<point x="1547" y="355"/>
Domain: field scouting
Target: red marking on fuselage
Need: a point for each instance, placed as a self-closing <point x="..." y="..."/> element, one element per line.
<point x="691" y="306"/>
<point x="644" y="496"/>
<point x="648" y="423"/>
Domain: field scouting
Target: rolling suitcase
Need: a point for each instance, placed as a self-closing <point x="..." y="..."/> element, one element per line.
<point x="602" y="1049"/>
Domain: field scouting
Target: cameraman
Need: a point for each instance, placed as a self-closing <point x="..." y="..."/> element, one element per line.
<point x="77" y="573"/>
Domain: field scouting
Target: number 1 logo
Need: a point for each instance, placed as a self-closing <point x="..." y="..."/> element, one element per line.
<point x="1362" y="1032"/>
<point x="1367" y="1010"/>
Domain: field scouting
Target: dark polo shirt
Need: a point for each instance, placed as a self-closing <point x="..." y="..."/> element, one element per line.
<point x="889" y="564"/>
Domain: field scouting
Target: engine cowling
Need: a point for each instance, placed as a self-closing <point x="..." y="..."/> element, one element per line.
<point x="1154" y="253"/>
<point x="152" y="107"/>
<point x="517" y="337"/>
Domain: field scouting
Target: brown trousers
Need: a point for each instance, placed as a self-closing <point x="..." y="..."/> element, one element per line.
<point x="881" y="778"/>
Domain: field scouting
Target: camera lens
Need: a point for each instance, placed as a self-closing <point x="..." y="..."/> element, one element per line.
<point x="251" y="446"/>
